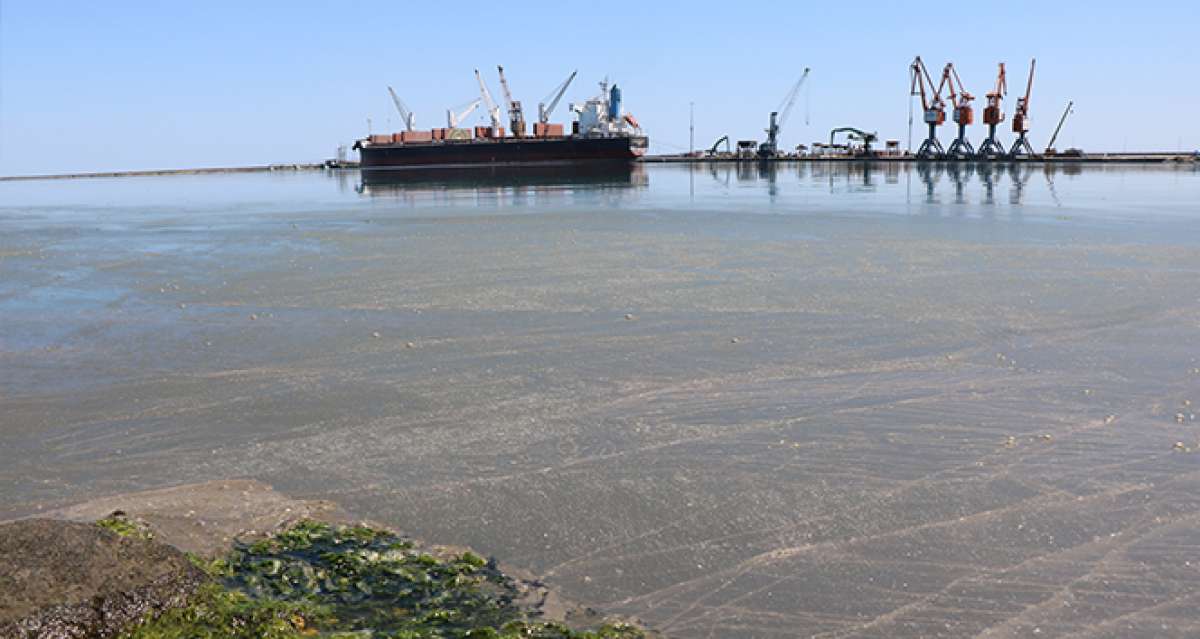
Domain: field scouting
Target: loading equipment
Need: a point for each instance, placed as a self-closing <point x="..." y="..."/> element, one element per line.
<point x="993" y="115"/>
<point x="770" y="148"/>
<point x="1021" y="120"/>
<point x="1050" y="150"/>
<point x="856" y="134"/>
<point x="712" y="151"/>
<point x="960" y="100"/>
<point x="933" y="109"/>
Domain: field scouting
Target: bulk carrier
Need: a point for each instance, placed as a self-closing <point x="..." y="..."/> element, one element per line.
<point x="601" y="131"/>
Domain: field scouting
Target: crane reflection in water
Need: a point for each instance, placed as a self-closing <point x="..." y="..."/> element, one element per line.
<point x="939" y="183"/>
<point x="932" y="188"/>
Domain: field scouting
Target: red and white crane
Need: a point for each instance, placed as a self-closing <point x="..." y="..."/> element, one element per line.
<point x="933" y="109"/>
<point x="1020" y="121"/>
<point x="993" y="115"/>
<point x="963" y="115"/>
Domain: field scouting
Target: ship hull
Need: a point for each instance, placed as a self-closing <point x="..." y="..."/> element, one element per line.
<point x="506" y="151"/>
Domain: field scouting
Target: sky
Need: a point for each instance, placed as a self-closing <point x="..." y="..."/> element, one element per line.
<point x="115" y="85"/>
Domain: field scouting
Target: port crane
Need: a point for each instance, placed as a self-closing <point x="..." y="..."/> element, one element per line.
<point x="516" y="117"/>
<point x="454" y="119"/>
<point x="993" y="115"/>
<point x="964" y="115"/>
<point x="406" y="116"/>
<point x="933" y="109"/>
<point x="856" y="134"/>
<point x="712" y="151"/>
<point x="493" y="111"/>
<point x="1050" y="147"/>
<point x="1021" y="119"/>
<point x="770" y="148"/>
<point x="544" y="111"/>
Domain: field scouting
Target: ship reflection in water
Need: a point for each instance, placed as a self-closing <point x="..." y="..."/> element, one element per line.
<point x="504" y="182"/>
<point x="944" y="189"/>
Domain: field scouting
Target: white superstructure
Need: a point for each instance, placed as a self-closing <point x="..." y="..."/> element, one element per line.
<point x="602" y="116"/>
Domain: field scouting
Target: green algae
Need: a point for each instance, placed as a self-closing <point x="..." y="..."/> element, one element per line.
<point x="120" y="524"/>
<point x="317" y="579"/>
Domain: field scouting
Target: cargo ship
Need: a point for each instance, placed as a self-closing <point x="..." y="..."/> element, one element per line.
<point x="600" y="132"/>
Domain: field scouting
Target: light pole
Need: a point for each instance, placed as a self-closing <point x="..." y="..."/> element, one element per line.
<point x="691" y="128"/>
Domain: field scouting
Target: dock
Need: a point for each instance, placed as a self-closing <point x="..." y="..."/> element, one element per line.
<point x="1090" y="158"/>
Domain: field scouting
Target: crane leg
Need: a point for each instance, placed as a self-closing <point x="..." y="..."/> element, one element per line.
<point x="931" y="149"/>
<point x="991" y="147"/>
<point x="961" y="148"/>
<point x="1021" y="147"/>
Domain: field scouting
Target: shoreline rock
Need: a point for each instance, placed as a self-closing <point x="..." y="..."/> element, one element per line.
<point x="63" y="579"/>
<point x="207" y="520"/>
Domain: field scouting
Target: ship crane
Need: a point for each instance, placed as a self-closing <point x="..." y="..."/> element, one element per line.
<point x="993" y="115"/>
<point x="964" y="115"/>
<point x="770" y="148"/>
<point x="454" y="119"/>
<point x="1021" y="119"/>
<point x="544" y="111"/>
<point x="933" y="109"/>
<point x="406" y="116"/>
<point x="516" y="117"/>
<point x="492" y="110"/>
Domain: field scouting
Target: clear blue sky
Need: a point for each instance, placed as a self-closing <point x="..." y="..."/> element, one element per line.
<point x="125" y="85"/>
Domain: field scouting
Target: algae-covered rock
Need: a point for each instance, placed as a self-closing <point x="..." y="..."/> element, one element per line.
<point x="71" y="579"/>
<point x="338" y="580"/>
<point x="261" y="566"/>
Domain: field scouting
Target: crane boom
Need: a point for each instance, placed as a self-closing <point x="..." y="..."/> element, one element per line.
<point x="1029" y="87"/>
<point x="492" y="110"/>
<point x="943" y="83"/>
<point x="1061" y="120"/>
<point x="1001" y="84"/>
<point x="790" y="100"/>
<point x="454" y="119"/>
<point x="962" y="98"/>
<point x="504" y="86"/>
<point x="406" y="116"/>
<point x="516" y="117"/>
<point x="922" y="83"/>
<point x="992" y="113"/>
<point x="544" y="111"/>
